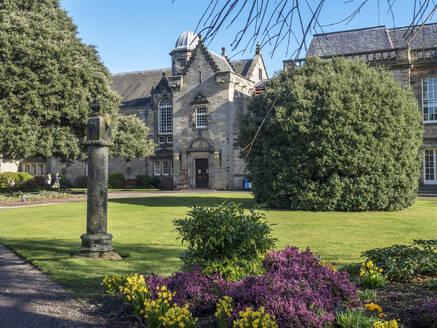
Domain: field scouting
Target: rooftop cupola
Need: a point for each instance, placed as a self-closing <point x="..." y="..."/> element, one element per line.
<point x="181" y="54"/>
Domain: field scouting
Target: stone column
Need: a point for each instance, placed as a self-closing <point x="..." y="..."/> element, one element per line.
<point x="97" y="242"/>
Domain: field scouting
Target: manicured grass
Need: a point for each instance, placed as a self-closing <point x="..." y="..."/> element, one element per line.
<point x="121" y="189"/>
<point x="143" y="231"/>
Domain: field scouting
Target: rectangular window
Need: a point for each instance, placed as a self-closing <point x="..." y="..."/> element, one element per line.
<point x="161" y="140"/>
<point x="429" y="100"/>
<point x="172" y="168"/>
<point x="170" y="139"/>
<point x="156" y="168"/>
<point x="430" y="167"/>
<point x="201" y="117"/>
<point x="165" y="168"/>
<point x="165" y="120"/>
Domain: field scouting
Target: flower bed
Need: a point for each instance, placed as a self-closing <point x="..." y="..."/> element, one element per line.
<point x="296" y="291"/>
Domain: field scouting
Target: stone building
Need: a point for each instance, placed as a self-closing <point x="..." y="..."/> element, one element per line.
<point x="193" y="111"/>
<point x="192" y="108"/>
<point x="411" y="55"/>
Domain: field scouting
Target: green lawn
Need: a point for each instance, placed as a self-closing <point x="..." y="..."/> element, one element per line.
<point x="143" y="231"/>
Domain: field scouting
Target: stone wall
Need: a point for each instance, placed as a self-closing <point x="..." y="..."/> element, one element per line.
<point x="8" y="166"/>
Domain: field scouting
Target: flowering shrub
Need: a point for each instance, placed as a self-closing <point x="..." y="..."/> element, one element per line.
<point x="224" y="311"/>
<point x="405" y="262"/>
<point x="296" y="289"/>
<point x="427" y="314"/>
<point x="111" y="283"/>
<point x="178" y="317"/>
<point x="195" y="288"/>
<point x="371" y="276"/>
<point x="386" y="324"/>
<point x="154" y="310"/>
<point x="372" y="307"/>
<point x="155" y="306"/>
<point x="255" y="319"/>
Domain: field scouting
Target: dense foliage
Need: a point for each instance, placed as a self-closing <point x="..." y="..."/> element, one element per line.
<point x="115" y="180"/>
<point x="342" y="136"/>
<point x="295" y="289"/>
<point x="129" y="138"/>
<point x="406" y="262"/>
<point x="224" y="239"/>
<point x="18" y="180"/>
<point x="48" y="80"/>
<point x="146" y="181"/>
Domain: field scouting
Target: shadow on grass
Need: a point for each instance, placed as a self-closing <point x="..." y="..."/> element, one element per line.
<point x="82" y="275"/>
<point x="183" y="201"/>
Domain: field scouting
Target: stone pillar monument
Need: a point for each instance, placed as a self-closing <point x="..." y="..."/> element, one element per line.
<point x="97" y="243"/>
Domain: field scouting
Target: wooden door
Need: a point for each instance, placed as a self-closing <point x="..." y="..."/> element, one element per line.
<point x="202" y="173"/>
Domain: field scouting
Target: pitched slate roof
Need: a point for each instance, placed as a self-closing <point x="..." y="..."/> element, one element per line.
<point x="241" y="66"/>
<point x="221" y="62"/>
<point x="135" y="87"/>
<point x="370" y="39"/>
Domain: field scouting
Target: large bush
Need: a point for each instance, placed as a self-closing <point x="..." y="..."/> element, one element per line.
<point x="16" y="180"/>
<point x="342" y="136"/>
<point x="146" y="181"/>
<point x="224" y="239"/>
<point x="116" y="180"/>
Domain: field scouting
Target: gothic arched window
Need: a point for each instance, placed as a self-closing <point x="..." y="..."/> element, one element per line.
<point x="165" y="117"/>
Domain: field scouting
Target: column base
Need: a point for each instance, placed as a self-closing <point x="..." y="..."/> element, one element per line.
<point x="98" y="245"/>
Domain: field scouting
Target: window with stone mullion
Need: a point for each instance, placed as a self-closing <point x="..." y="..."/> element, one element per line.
<point x="429" y="100"/>
<point x="201" y="117"/>
<point x="165" y="117"/>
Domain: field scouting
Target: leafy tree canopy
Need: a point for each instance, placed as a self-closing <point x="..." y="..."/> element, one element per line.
<point x="342" y="136"/>
<point x="129" y="138"/>
<point x="48" y="79"/>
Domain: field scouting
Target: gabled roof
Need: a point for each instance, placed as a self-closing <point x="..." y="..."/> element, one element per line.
<point x="241" y="66"/>
<point x="370" y="39"/>
<point x="221" y="62"/>
<point x="136" y="87"/>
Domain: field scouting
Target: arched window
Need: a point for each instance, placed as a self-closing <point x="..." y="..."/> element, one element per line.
<point x="165" y="117"/>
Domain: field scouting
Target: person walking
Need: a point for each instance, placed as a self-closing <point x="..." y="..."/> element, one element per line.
<point x="56" y="179"/>
<point x="48" y="180"/>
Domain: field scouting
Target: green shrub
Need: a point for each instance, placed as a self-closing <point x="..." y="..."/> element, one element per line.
<point x="406" y="262"/>
<point x="81" y="181"/>
<point x="146" y="181"/>
<point x="224" y="239"/>
<point x="115" y="180"/>
<point x="14" y="180"/>
<point x="355" y="319"/>
<point x="431" y="284"/>
<point x="36" y="182"/>
<point x="65" y="182"/>
<point x="342" y="136"/>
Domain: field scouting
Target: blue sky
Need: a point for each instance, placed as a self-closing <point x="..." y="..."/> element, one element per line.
<point x="134" y="35"/>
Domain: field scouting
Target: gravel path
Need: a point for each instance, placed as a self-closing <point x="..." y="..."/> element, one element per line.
<point x="28" y="299"/>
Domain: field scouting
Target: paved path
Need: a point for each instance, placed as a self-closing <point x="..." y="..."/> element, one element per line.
<point x="119" y="195"/>
<point x="28" y="299"/>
